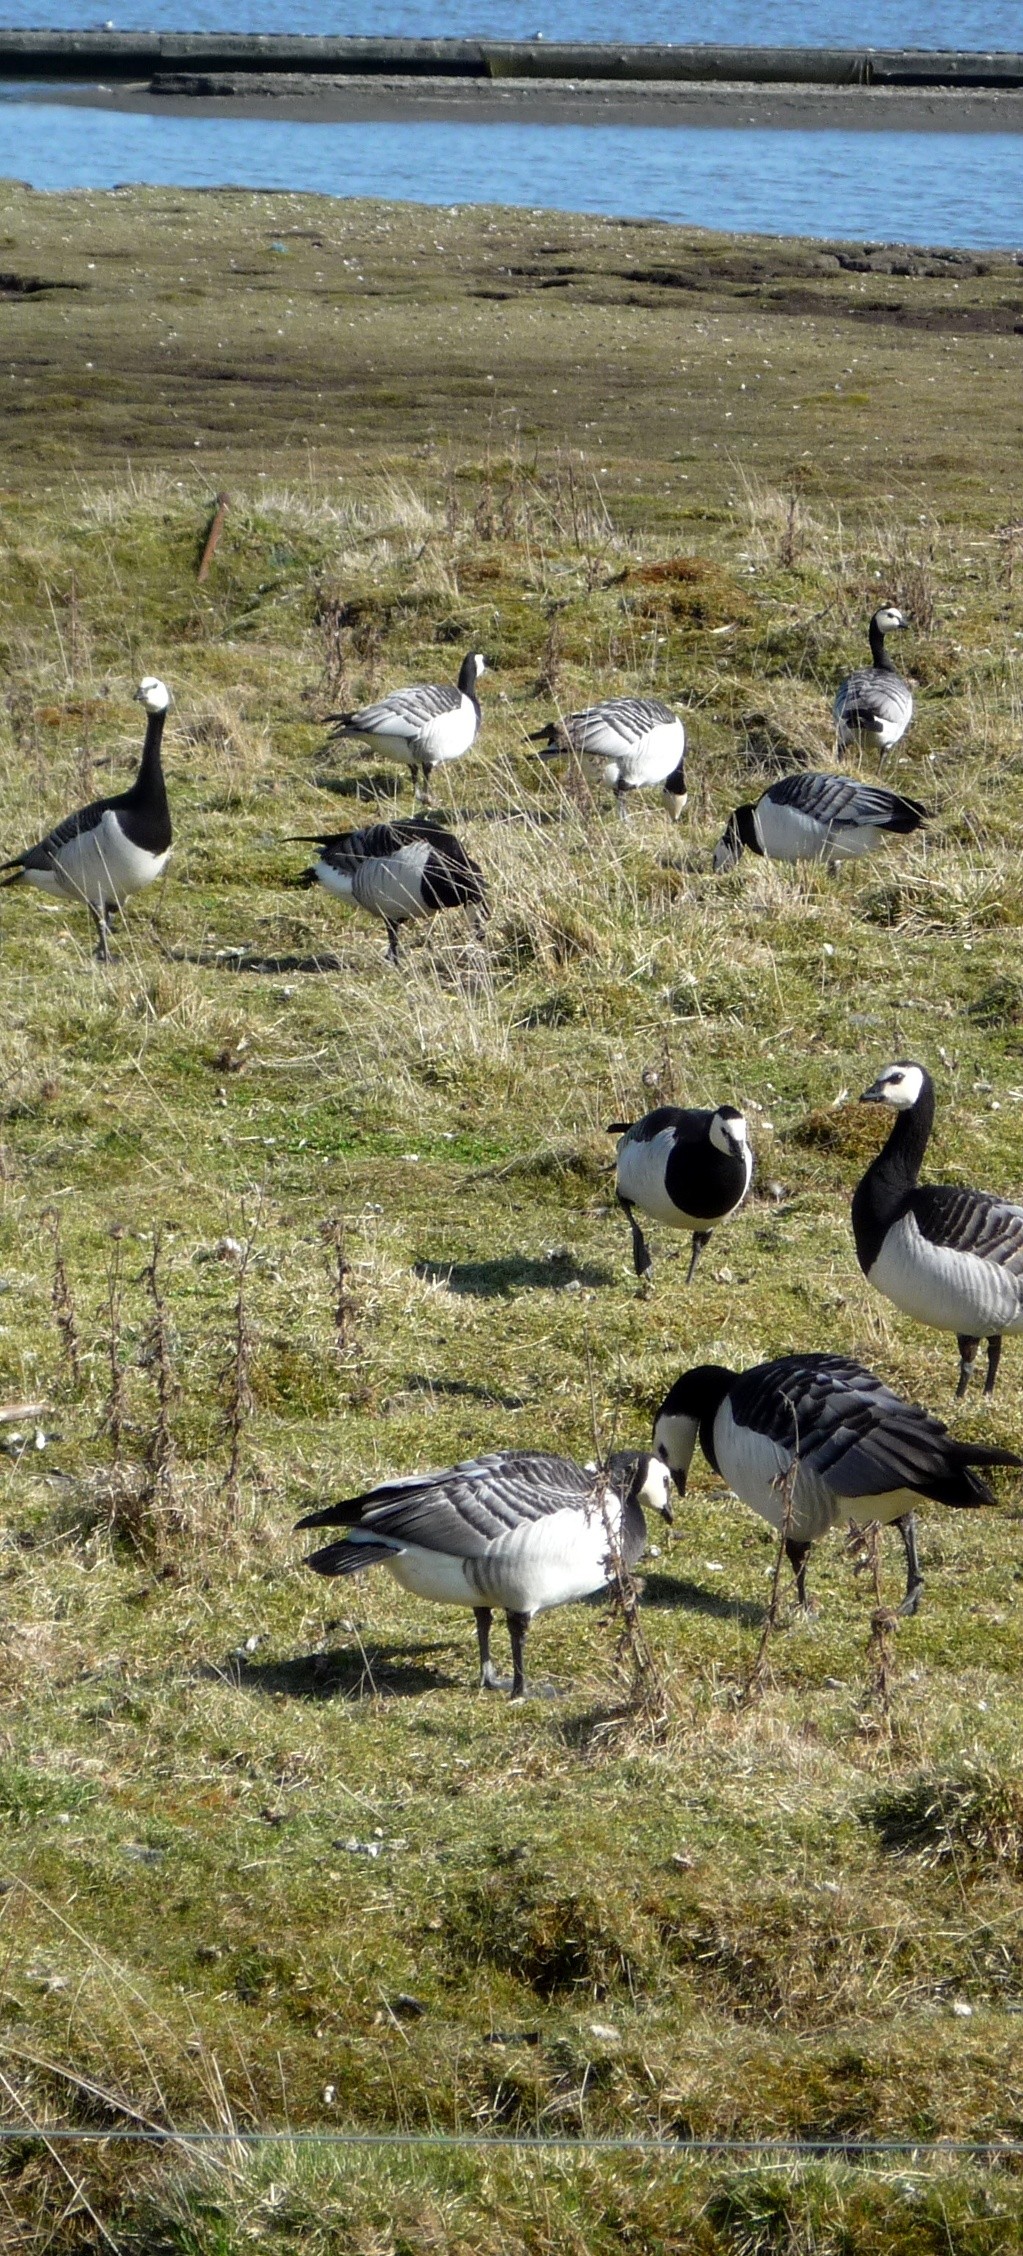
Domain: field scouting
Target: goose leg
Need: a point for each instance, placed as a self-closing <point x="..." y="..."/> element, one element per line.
<point x="641" y="1258"/>
<point x="994" y="1357"/>
<point x="700" y="1239"/>
<point x="914" y="1580"/>
<point x="99" y="917"/>
<point x="517" y="1627"/>
<point x="797" y="1555"/>
<point x="489" y="1679"/>
<point x="620" y="810"/>
<point x="392" y="940"/>
<point x="968" y="1347"/>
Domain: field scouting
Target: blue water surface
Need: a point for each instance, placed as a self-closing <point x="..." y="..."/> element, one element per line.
<point x="779" y="23"/>
<point x="964" y="189"/>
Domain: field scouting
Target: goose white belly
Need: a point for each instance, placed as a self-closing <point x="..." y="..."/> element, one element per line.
<point x="439" y="737"/>
<point x="755" y="1467"/>
<point x="951" y="1291"/>
<point x="100" y="866"/>
<point x="545" y="1562"/>
<point x="788" y="834"/>
<point x="650" y="760"/>
<point x="641" y="1167"/>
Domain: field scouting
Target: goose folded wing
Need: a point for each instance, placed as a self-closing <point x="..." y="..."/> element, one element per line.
<point x="882" y="1448"/>
<point x="43" y="855"/>
<point x="971" y="1222"/>
<point x="407" y="711"/>
<point x="621" y="723"/>
<point x="870" y="696"/>
<point x="464" y="1511"/>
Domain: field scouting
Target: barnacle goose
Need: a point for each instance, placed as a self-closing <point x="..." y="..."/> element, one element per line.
<point x="398" y="870"/>
<point x="426" y="724"/>
<point x="105" y="852"/>
<point x="634" y="741"/>
<point x="814" y="817"/>
<point x="517" y="1529"/>
<point x="952" y="1258"/>
<point x="874" y="704"/>
<point x="687" y="1169"/>
<point x="861" y="1452"/>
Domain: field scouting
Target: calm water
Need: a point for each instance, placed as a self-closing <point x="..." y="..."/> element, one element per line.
<point x="838" y="23"/>
<point x="904" y="187"/>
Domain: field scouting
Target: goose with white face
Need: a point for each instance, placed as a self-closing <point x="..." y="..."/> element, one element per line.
<point x="517" y="1530"/>
<point x="951" y="1258"/>
<point x="427" y="724"/>
<point x="686" y="1169"/>
<point x="104" y="853"/>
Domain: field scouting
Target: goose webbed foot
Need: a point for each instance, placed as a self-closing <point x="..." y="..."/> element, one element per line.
<point x="994" y="1357"/>
<point x="701" y="1238"/>
<point x="914" y="1579"/>
<point x="968" y="1347"/>
<point x="489" y="1679"/>
<point x="642" y="1260"/>
<point x="797" y="1555"/>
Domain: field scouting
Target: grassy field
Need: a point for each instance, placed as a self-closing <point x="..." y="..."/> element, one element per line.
<point x="268" y="1858"/>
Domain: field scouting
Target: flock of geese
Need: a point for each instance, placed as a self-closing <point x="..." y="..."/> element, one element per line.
<point x="807" y="1441"/>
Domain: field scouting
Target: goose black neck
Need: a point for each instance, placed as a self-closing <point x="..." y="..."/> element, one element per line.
<point x="891" y="1178"/>
<point x="877" y="649"/>
<point x="467" y="682"/>
<point x="149" y="783"/>
<point x="745" y="819"/>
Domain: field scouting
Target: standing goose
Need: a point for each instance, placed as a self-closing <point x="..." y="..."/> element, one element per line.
<point x="634" y="741"/>
<point x="874" y="705"/>
<point x="398" y="870"/>
<point x="426" y="724"/>
<point x="815" y="817"/>
<point x="105" y="852"/>
<point x="861" y="1452"/>
<point x="951" y="1258"/>
<point x="518" y="1530"/>
<point x="686" y="1169"/>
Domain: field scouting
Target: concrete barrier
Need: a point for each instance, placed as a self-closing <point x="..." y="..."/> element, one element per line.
<point x="109" y="55"/>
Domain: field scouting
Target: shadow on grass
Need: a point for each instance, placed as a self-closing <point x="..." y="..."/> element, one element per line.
<point x="394" y="1672"/>
<point x="683" y="1596"/>
<point x="238" y="959"/>
<point x="463" y="1390"/>
<point x="511" y="1272"/>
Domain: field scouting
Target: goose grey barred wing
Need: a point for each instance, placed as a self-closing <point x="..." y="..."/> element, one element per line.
<point x="841" y="803"/>
<point x="463" y="1511"/>
<point x="871" y="696"/>
<point x="604" y="729"/>
<point x="405" y="711"/>
<point x="972" y="1222"/>
<point x="851" y="1432"/>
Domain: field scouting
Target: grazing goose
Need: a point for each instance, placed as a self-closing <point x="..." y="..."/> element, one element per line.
<point x="106" y="852"/>
<point x="518" y="1530"/>
<point x="398" y="870"/>
<point x="812" y="817"/>
<point x="634" y="741"/>
<point x="686" y="1169"/>
<point x="862" y="1453"/>
<point x="949" y="1257"/>
<point x="426" y="724"/>
<point x="874" y="705"/>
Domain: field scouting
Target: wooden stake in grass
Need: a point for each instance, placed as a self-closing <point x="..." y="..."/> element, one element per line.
<point x="63" y="1304"/>
<point x="215" y="529"/>
<point x="343" y="1312"/>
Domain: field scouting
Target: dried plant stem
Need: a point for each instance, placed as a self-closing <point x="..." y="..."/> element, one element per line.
<point x="63" y="1304"/>
<point x="755" y="1680"/>
<point x="240" y="1401"/>
<point x="115" y="1414"/>
<point x="160" y="1454"/>
<point x="881" y="1647"/>
<point x="344" y="1307"/>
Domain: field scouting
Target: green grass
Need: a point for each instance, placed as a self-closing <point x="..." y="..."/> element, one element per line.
<point x="781" y="1904"/>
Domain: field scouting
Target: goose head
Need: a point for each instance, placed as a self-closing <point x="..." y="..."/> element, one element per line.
<point x="153" y="694"/>
<point x="736" y="836"/>
<point x="694" y="1398"/>
<point x="899" y="1085"/>
<point x="889" y="618"/>
<point x="728" y="1131"/>
<point x="643" y="1480"/>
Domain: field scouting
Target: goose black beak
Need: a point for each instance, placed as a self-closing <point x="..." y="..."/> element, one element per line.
<point x="874" y="1095"/>
<point x="679" y="1479"/>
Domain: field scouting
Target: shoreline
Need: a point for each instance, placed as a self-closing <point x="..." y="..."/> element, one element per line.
<point x="372" y="99"/>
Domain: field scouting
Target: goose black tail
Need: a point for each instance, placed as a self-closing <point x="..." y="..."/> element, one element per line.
<point x="963" y="1487"/>
<point x="907" y="814"/>
<point x="618" y="1127"/>
<point x="349" y="1558"/>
